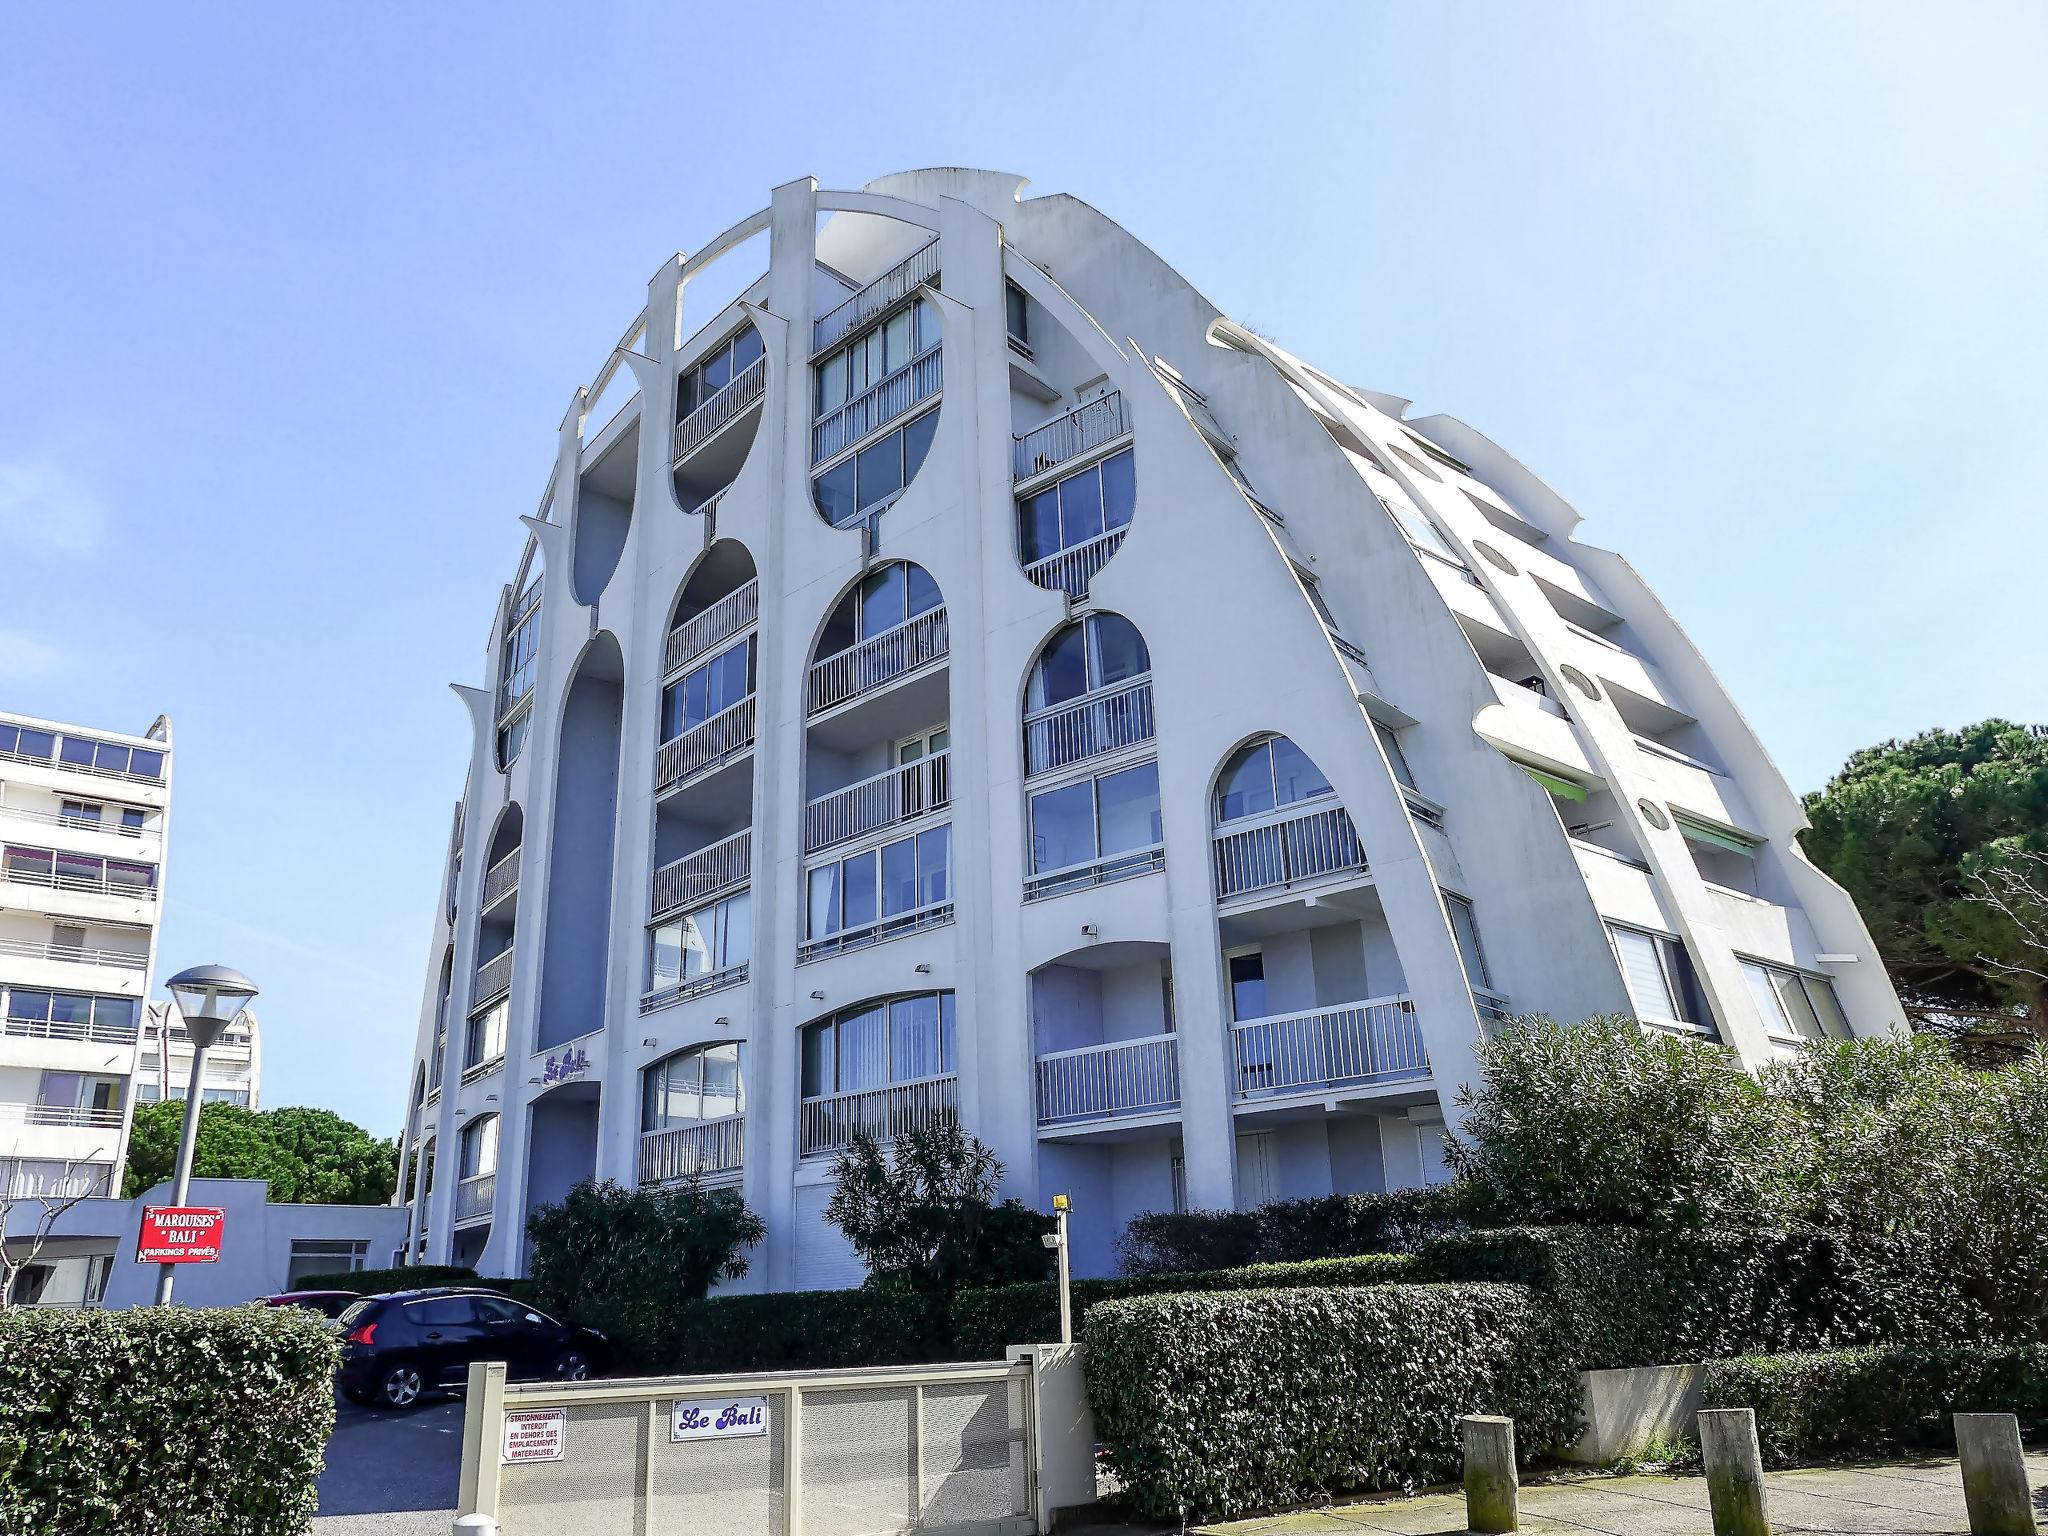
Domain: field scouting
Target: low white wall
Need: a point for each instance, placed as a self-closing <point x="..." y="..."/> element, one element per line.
<point x="1626" y="1410"/>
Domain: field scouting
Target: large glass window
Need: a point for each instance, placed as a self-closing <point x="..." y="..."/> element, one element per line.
<point x="485" y="1038"/>
<point x="701" y="943"/>
<point x="857" y="367"/>
<point x="1663" y="988"/>
<point x="21" y="741"/>
<point x="706" y="1082"/>
<point x="903" y="1040"/>
<point x="1247" y="984"/>
<point x="1083" y="506"/>
<point x="1397" y="760"/>
<point x="520" y="662"/>
<point x="718" y="368"/>
<point x="708" y="689"/>
<point x="1421" y="532"/>
<point x="480" y="1147"/>
<point x="1099" y="651"/>
<point x="1097" y="818"/>
<point x="1466" y="928"/>
<point x="895" y="880"/>
<point x="887" y="597"/>
<point x="862" y="483"/>
<point x="1795" y="1006"/>
<point x="33" y="1012"/>
<point x="1267" y="775"/>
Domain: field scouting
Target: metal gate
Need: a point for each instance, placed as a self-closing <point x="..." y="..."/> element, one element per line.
<point x="937" y="1449"/>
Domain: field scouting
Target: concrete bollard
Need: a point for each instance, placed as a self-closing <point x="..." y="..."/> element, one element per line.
<point x="1493" y="1490"/>
<point x="475" y="1525"/>
<point x="1995" y="1487"/>
<point x="1735" y="1472"/>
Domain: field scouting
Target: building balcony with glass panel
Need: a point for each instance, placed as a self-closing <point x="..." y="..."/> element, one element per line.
<point x="693" y="1120"/>
<point x="1103" y="1030"/>
<point x="1068" y="528"/>
<point x="1279" y="825"/>
<point x="883" y="1067"/>
<point x="707" y="717"/>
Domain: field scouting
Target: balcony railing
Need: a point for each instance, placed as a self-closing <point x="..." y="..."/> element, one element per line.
<point x="724" y="735"/>
<point x="83" y="1031"/>
<point x="91" y="769"/>
<point x="1304" y="843"/>
<point x="686" y="1151"/>
<point x="1107" y="720"/>
<point x="1104" y="871"/>
<point x="878" y="660"/>
<point x="1104" y="1082"/>
<point x="1086" y="426"/>
<point x="921" y="266"/>
<point x="74" y="954"/>
<point x="694" y="986"/>
<point x="1352" y="1044"/>
<point x="721" y="409"/>
<point x="893" y="926"/>
<point x="95" y="885"/>
<point x="891" y="797"/>
<point x="827" y="1124"/>
<point x="474" y="1196"/>
<point x="501" y="879"/>
<point x="1071" y="569"/>
<point x="477" y="1071"/>
<point x="1423" y="809"/>
<point x="73" y="822"/>
<point x="721" y="621"/>
<point x="708" y="872"/>
<point x="896" y="394"/>
<point x="493" y="980"/>
<point x="62" y="1114"/>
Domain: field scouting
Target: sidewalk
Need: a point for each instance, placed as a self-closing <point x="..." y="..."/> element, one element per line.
<point x="1877" y="1499"/>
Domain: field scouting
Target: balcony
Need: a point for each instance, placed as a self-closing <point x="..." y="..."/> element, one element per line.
<point x="61" y="1114"/>
<point x="74" y="954"/>
<point x="501" y="880"/>
<point x="917" y="269"/>
<point x="110" y="761"/>
<point x="826" y="1125"/>
<point x="1352" y="1045"/>
<point x="693" y="1151"/>
<point x="1071" y="569"/>
<point x="888" y="799"/>
<point x="1083" y="429"/>
<point x="108" y="882"/>
<point x="726" y="734"/>
<point x="720" y="410"/>
<point x="694" y="986"/>
<point x="493" y="980"/>
<point x="896" y="394"/>
<point x="1107" y="720"/>
<point x="473" y="1198"/>
<point x="1109" y="869"/>
<point x="477" y="1072"/>
<point x="725" y="618"/>
<point x="697" y="877"/>
<point x="1308" y="842"/>
<point x="893" y="926"/>
<point x="75" y="1031"/>
<point x="877" y="661"/>
<point x="1108" y="1082"/>
<point x="74" y="822"/>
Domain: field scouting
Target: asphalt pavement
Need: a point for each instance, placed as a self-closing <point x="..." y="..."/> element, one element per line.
<point x="392" y="1473"/>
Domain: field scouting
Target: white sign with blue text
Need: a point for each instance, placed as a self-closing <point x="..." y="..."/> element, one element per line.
<point x="717" y="1418"/>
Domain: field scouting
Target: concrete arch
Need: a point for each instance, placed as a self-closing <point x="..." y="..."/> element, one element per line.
<point x="507" y="832"/>
<point x="576" y="934"/>
<point x="844" y="609"/>
<point x="1243" y="753"/>
<point x="716" y="573"/>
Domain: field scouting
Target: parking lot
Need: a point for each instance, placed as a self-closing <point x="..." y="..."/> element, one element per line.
<point x="391" y="1473"/>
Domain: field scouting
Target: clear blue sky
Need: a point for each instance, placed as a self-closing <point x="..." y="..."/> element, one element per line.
<point x="293" y="297"/>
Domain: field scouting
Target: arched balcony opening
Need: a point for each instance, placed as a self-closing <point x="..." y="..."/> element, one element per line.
<point x="423" y="1202"/>
<point x="519" y="658"/>
<point x="708" y="679"/>
<point x="884" y="1066"/>
<point x="483" y="1048"/>
<point x="578" y="934"/>
<point x="719" y="391"/>
<point x="605" y="494"/>
<point x="1089" y="694"/>
<point x="476" y="1189"/>
<point x="877" y="766"/>
<point x="1104" y="1037"/>
<point x="873" y="394"/>
<point x="1278" y="823"/>
<point x="438" y="1058"/>
<point x="693" y="1115"/>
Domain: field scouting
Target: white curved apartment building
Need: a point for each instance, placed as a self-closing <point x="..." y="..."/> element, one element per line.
<point x="971" y="673"/>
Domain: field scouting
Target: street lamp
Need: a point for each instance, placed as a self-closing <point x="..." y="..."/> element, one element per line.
<point x="210" y="998"/>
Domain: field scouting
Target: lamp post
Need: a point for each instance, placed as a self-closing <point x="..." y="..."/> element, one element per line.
<point x="210" y="998"/>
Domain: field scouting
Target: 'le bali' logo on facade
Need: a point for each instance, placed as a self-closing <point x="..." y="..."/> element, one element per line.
<point x="571" y="1063"/>
<point x="714" y="1418"/>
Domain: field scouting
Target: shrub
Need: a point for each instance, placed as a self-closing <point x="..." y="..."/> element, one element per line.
<point x="801" y="1330"/>
<point x="1213" y="1405"/>
<point x="988" y="1320"/>
<point x="407" y="1277"/>
<point x="206" y="1423"/>
<point x="1285" y="1231"/>
<point x="1862" y="1401"/>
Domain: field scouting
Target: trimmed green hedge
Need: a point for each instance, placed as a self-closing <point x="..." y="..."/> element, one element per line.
<point x="988" y="1320"/>
<point x="1286" y="1231"/>
<point x="1213" y="1405"/>
<point x="798" y="1330"/>
<point x="407" y="1277"/>
<point x="203" y="1423"/>
<point x="1855" y="1402"/>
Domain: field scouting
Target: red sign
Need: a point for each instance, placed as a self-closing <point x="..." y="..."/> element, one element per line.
<point x="180" y="1234"/>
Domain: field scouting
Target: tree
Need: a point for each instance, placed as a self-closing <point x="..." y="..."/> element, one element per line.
<point x="1939" y="839"/>
<point x="923" y="1213"/>
<point x="307" y="1156"/>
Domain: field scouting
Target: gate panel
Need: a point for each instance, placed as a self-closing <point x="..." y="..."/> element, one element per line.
<point x="973" y="1454"/>
<point x="860" y="1478"/>
<point x="733" y="1486"/>
<point x="598" y="1479"/>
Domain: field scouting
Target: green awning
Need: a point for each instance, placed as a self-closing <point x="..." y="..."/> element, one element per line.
<point x="1550" y="781"/>
<point x="1713" y="836"/>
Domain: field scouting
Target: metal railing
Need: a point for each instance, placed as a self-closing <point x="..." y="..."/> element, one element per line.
<point x="1304" y="843"/>
<point x="877" y="660"/>
<point x="827" y="1124"/>
<point x="893" y="395"/>
<point x="1102" y="1082"/>
<point x="74" y="823"/>
<point x="70" y="1029"/>
<point x="686" y="1151"/>
<point x="1423" y="809"/>
<point x="695" y="986"/>
<point x="478" y="1071"/>
<point x="474" y="1196"/>
<point x="704" y="874"/>
<point x="729" y="731"/>
<point x="493" y="979"/>
<point x="1107" y="720"/>
<point x="889" y="798"/>
<point x="1377" y="1040"/>
<point x="501" y="879"/>
<point x="721" y="621"/>
<point x="893" y="926"/>
<point x="92" y="769"/>
<point x="74" y="954"/>
<point x="1079" y="877"/>
<point x="94" y="885"/>
<point x="921" y="266"/>
<point x="721" y="409"/>
<point x="1071" y="569"/>
<point x="62" y="1114"/>
<point x="1492" y="1007"/>
<point x="1086" y="426"/>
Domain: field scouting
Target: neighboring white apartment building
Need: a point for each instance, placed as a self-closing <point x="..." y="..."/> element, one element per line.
<point x="973" y="674"/>
<point x="234" y="1064"/>
<point x="84" y="817"/>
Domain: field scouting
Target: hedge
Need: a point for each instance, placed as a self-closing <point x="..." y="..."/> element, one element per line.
<point x="169" y="1419"/>
<point x="407" y="1277"/>
<point x="794" y="1330"/>
<point x="1286" y="1231"/>
<point x="987" y="1320"/>
<point x="1214" y="1405"/>
<point x="1855" y="1402"/>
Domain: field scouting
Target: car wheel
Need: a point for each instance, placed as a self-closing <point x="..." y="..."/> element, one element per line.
<point x="574" y="1365"/>
<point x="401" y="1386"/>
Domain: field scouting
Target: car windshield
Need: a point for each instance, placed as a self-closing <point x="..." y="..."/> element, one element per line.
<point x="355" y="1310"/>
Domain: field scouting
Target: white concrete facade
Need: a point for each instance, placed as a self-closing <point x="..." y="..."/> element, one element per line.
<point x="84" y="825"/>
<point x="234" y="1063"/>
<point x="1175" y="777"/>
